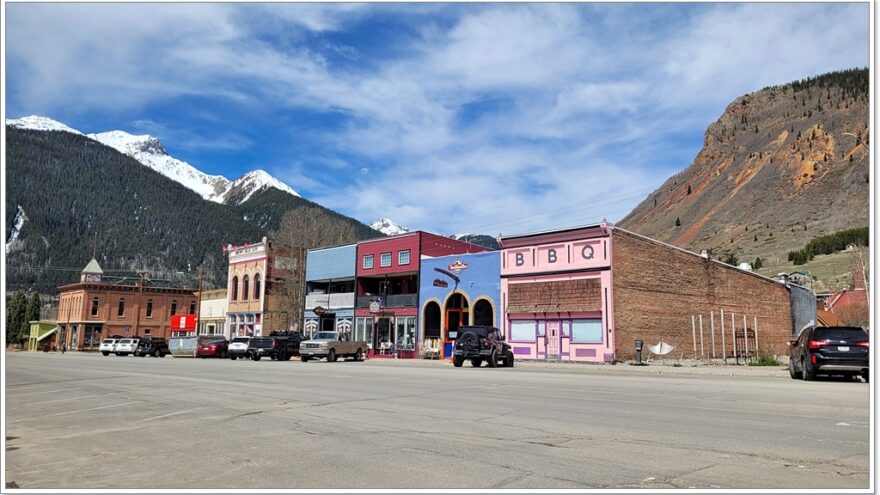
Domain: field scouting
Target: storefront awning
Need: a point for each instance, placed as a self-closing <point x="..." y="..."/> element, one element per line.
<point x="50" y="332"/>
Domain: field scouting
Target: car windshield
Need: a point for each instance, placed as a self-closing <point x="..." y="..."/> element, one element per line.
<point x="240" y="340"/>
<point x="214" y="342"/>
<point x="840" y="334"/>
<point x="261" y="343"/>
<point x="326" y="336"/>
<point x="108" y="341"/>
<point x="125" y="341"/>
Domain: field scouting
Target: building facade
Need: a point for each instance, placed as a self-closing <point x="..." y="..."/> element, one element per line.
<point x="43" y="336"/>
<point x="588" y="293"/>
<point x="330" y="295"/>
<point x="212" y="312"/>
<point x="99" y="306"/>
<point x="387" y="286"/>
<point x="445" y="305"/>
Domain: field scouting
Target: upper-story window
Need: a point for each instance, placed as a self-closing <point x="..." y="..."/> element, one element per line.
<point x="368" y="261"/>
<point x="173" y="308"/>
<point x="257" y="286"/>
<point x="94" y="306"/>
<point x="385" y="260"/>
<point x="403" y="257"/>
<point x="234" y="296"/>
<point x="121" y="310"/>
<point x="245" y="288"/>
<point x="149" y="308"/>
<point x="192" y="307"/>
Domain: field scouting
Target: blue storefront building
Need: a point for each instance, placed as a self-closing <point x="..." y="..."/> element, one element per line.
<point x="330" y="279"/>
<point x="445" y="305"/>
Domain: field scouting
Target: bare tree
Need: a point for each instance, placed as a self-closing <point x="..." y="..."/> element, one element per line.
<point x="302" y="229"/>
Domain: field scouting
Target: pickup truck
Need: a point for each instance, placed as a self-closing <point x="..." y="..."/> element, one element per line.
<point x="331" y="345"/>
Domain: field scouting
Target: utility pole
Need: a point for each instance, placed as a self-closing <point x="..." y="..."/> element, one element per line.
<point x="199" y="308"/>
<point x="137" y="312"/>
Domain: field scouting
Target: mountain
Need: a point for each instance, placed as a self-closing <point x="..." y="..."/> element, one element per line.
<point x="39" y="123"/>
<point x="388" y="227"/>
<point x="487" y="241"/>
<point x="66" y="190"/>
<point x="780" y="166"/>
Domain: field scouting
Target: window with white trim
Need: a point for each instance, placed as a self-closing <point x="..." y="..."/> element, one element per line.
<point x="522" y="330"/>
<point x="586" y="331"/>
<point x="385" y="260"/>
<point x="368" y="261"/>
<point x="403" y="257"/>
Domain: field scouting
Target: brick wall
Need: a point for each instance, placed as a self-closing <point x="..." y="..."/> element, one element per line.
<point x="657" y="288"/>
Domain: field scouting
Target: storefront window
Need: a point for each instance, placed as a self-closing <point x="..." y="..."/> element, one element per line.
<point x="310" y="327"/>
<point x="364" y="330"/>
<point x="406" y="333"/>
<point x="586" y="331"/>
<point x="522" y="330"/>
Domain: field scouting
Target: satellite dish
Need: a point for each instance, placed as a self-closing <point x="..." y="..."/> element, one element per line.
<point x="661" y="348"/>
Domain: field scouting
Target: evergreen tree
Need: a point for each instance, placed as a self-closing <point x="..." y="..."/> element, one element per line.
<point x="15" y="315"/>
<point x="677" y="222"/>
<point x="758" y="264"/>
<point x="32" y="313"/>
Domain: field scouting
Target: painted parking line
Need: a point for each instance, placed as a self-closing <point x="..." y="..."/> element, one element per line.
<point x="167" y="415"/>
<point x="62" y="400"/>
<point x="10" y="395"/>
<point x="95" y="408"/>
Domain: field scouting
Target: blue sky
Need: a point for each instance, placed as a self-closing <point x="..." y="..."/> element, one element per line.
<point x="490" y="118"/>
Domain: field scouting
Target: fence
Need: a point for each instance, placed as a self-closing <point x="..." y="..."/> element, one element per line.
<point x="735" y="338"/>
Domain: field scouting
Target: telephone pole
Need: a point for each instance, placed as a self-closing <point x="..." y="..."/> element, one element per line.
<point x="137" y="312"/>
<point x="199" y="304"/>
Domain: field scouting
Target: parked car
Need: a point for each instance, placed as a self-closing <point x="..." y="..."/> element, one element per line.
<point x="331" y="345"/>
<point x="213" y="348"/>
<point x="481" y="343"/>
<point x="294" y="340"/>
<point x="238" y="348"/>
<point x="126" y="346"/>
<point x="153" y="346"/>
<point x="829" y="351"/>
<point x="276" y="348"/>
<point x="107" y="346"/>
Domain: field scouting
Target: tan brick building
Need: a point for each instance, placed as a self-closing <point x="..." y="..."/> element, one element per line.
<point x="99" y="306"/>
<point x="588" y="293"/>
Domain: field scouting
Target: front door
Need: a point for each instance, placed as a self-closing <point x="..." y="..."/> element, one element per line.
<point x="552" y="340"/>
<point x="383" y="336"/>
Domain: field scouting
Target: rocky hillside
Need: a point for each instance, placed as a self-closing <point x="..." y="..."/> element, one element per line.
<point x="781" y="166"/>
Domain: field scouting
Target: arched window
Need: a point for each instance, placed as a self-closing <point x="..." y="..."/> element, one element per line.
<point x="121" y="310"/>
<point x="234" y="289"/>
<point x="173" y="308"/>
<point x="244" y="288"/>
<point x="257" y="286"/>
<point x="149" y="308"/>
<point x="94" y="306"/>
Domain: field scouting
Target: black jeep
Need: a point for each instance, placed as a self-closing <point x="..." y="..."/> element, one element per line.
<point x="481" y="343"/>
<point x="152" y="346"/>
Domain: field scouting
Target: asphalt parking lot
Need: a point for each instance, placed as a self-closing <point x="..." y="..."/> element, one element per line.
<point x="89" y="421"/>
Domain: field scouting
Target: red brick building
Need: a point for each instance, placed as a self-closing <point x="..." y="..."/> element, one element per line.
<point x="588" y="293"/>
<point x="99" y="306"/>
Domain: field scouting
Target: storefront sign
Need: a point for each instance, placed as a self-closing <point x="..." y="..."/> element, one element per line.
<point x="186" y="323"/>
<point x="440" y="283"/>
<point x="458" y="266"/>
<point x="587" y="253"/>
<point x="375" y="306"/>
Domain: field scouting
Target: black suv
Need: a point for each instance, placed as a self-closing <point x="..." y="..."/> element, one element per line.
<point x="152" y="346"/>
<point x="481" y="343"/>
<point x="293" y="340"/>
<point x="829" y="351"/>
<point x="277" y="348"/>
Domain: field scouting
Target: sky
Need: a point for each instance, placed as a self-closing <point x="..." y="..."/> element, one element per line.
<point x="481" y="118"/>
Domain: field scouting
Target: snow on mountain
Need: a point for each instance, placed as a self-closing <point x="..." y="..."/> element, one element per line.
<point x="39" y="123"/>
<point x="245" y="186"/>
<point x="388" y="227"/>
<point x="149" y="151"/>
<point x="17" y="224"/>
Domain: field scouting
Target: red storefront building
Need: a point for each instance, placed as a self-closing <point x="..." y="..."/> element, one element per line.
<point x="387" y="287"/>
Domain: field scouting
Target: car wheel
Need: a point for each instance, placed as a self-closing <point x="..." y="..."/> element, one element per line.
<point x="359" y="355"/>
<point x="233" y="357"/>
<point x="866" y="376"/>
<point x="457" y="361"/>
<point x="156" y="353"/>
<point x="304" y="359"/>
<point x="331" y="356"/>
<point x="792" y="371"/>
<point x="476" y="362"/>
<point x="105" y="353"/>
<point x="256" y="358"/>
<point x="508" y="362"/>
<point x="493" y="360"/>
<point x="805" y="374"/>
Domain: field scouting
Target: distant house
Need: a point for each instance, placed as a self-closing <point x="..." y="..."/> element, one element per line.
<point x="801" y="278"/>
<point x="850" y="305"/>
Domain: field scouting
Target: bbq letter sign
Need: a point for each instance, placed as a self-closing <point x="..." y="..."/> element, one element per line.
<point x="566" y="256"/>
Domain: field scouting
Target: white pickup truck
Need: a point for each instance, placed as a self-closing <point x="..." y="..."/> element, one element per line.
<point x="331" y="345"/>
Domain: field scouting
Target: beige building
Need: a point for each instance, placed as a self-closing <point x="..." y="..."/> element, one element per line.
<point x="212" y="312"/>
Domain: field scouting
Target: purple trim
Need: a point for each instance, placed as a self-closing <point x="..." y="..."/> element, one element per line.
<point x="522" y="350"/>
<point x="585" y="352"/>
<point x="609" y="357"/>
<point x="566" y="354"/>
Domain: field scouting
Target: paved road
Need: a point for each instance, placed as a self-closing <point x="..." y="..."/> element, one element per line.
<point x="88" y="421"/>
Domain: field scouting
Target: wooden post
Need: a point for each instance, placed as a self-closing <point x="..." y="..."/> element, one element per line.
<point x="733" y="332"/>
<point x="723" y="342"/>
<point x="702" y="349"/>
<point x="199" y="304"/>
<point x="746" y="335"/>
<point x="694" y="335"/>
<point x="756" y="338"/>
<point x="712" y="325"/>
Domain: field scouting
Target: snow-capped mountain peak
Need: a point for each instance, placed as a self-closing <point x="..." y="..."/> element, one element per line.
<point x="40" y="123"/>
<point x="388" y="227"/>
<point x="130" y="143"/>
<point x="257" y="180"/>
